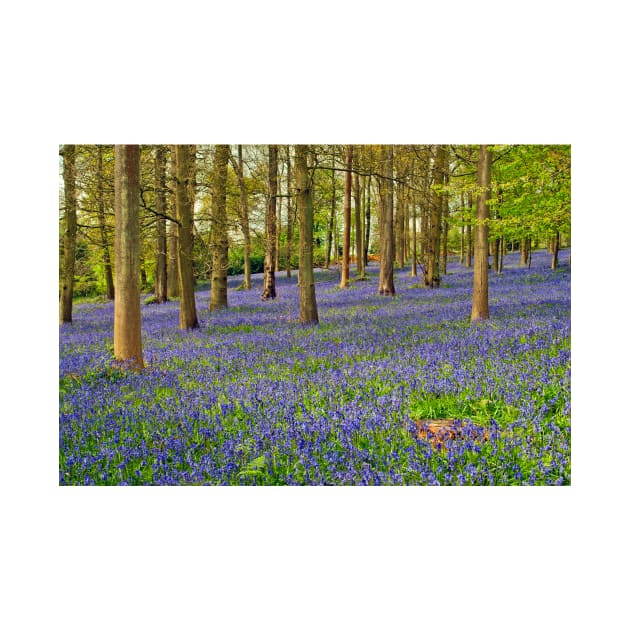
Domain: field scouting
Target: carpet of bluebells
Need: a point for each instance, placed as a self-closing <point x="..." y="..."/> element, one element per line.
<point x="252" y="397"/>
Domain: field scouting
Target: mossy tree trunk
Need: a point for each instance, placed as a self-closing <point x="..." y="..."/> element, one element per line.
<point x="185" y="203"/>
<point x="70" y="233"/>
<point x="172" y="249"/>
<point x="218" y="283"/>
<point x="107" y="262"/>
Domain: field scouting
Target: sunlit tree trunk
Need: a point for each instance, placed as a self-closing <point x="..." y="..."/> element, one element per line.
<point x="70" y="234"/>
<point x="386" y="222"/>
<point x="308" y="303"/>
<point x="185" y="203"/>
<point x="469" y="233"/>
<point x="218" y="280"/>
<point x="399" y="248"/>
<point x="445" y="225"/>
<point x="160" y="208"/>
<point x="347" y="220"/>
<point x="480" y="270"/>
<point x="127" y="318"/>
<point x="269" y="282"/>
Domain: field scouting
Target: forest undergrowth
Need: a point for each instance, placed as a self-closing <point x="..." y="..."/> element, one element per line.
<point x="252" y="397"/>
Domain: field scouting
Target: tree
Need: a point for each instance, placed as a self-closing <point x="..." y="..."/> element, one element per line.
<point x="160" y="209"/>
<point x="386" y="222"/>
<point x="480" y="269"/>
<point x="358" y="227"/>
<point x="218" y="284"/>
<point x="184" y="203"/>
<point x="107" y="264"/>
<point x="347" y="220"/>
<point x="432" y="276"/>
<point x="308" y="302"/>
<point x="269" y="281"/>
<point x="127" y="319"/>
<point x="68" y="153"/>
<point x="289" y="215"/>
<point x="172" y="248"/>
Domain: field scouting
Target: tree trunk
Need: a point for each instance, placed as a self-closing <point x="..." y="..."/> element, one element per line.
<point x="480" y="270"/>
<point x="69" y="235"/>
<point x="160" y="208"/>
<point x="218" y="281"/>
<point x="556" y="248"/>
<point x="386" y="222"/>
<point x="347" y="220"/>
<point x="358" y="226"/>
<point x="127" y="318"/>
<point x="524" y="252"/>
<point x="469" y="233"/>
<point x="308" y="302"/>
<point x="368" y="217"/>
<point x="185" y="203"/>
<point x="445" y="217"/>
<point x="244" y="217"/>
<point x="290" y="216"/>
<point x="433" y="241"/>
<point x="107" y="262"/>
<point x="414" y="238"/>
<point x="269" y="283"/>
<point x="172" y="249"/>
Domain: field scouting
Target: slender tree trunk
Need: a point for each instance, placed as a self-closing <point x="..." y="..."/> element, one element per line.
<point x="331" y="222"/>
<point x="433" y="240"/>
<point x="469" y="233"/>
<point x="556" y="248"/>
<point x="368" y="217"/>
<point x="480" y="271"/>
<point x="290" y="215"/>
<point x="501" y="252"/>
<point x="386" y="222"/>
<point x="497" y="254"/>
<point x="445" y="224"/>
<point x="185" y="203"/>
<point x="172" y="249"/>
<point x="244" y="212"/>
<point x="160" y="207"/>
<point x="399" y="252"/>
<point x="127" y="317"/>
<point x="414" y="238"/>
<point x="524" y="252"/>
<point x="308" y="302"/>
<point x="347" y="220"/>
<point x="358" y="227"/>
<point x="107" y="263"/>
<point x="269" y="287"/>
<point x="278" y="224"/>
<point x="69" y="235"/>
<point x="218" y="282"/>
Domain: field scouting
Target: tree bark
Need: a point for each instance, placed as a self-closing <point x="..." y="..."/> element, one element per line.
<point x="172" y="249"/>
<point x="386" y="222"/>
<point x="269" y="282"/>
<point x="100" y="196"/>
<point x="469" y="233"/>
<point x="218" y="281"/>
<point x="414" y="238"/>
<point x="480" y="271"/>
<point x="308" y="302"/>
<point x="433" y="240"/>
<point x="347" y="220"/>
<point x="368" y="218"/>
<point x="185" y="202"/>
<point x="289" y="215"/>
<point x="358" y="226"/>
<point x="244" y="216"/>
<point x="127" y="318"/>
<point x="69" y="235"/>
<point x="160" y="208"/>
